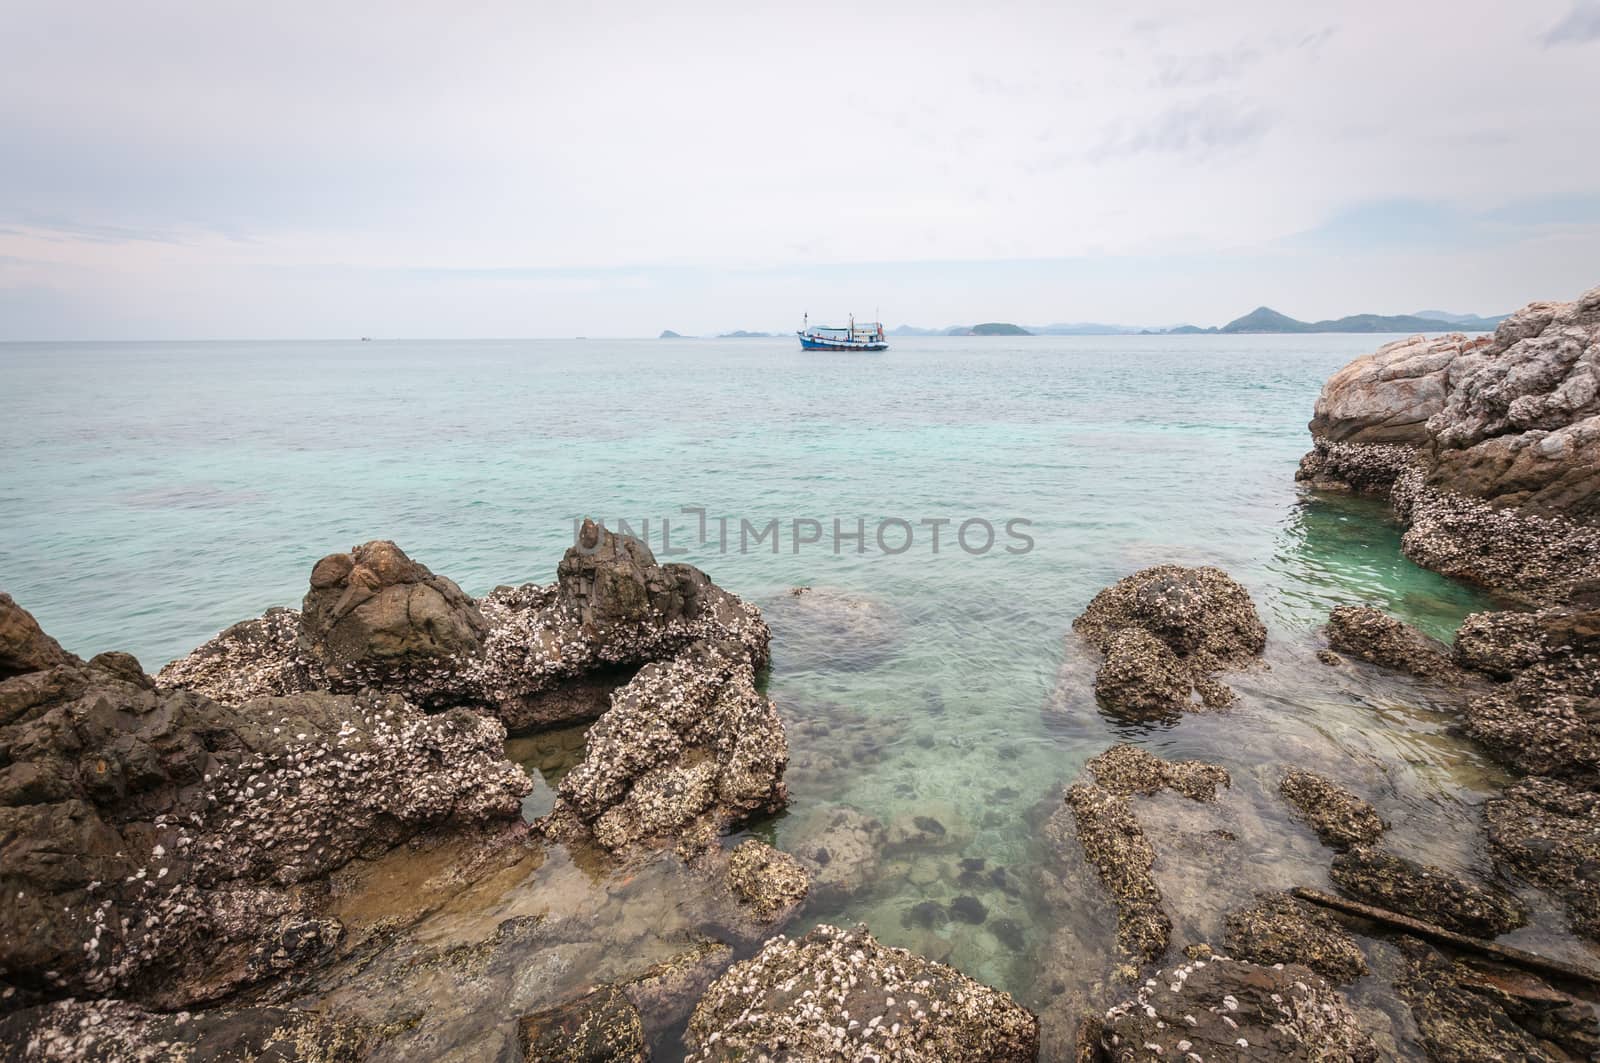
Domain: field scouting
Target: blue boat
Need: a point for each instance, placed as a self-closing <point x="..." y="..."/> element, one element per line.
<point x="865" y="337"/>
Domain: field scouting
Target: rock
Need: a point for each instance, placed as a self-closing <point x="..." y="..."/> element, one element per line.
<point x="839" y="994"/>
<point x="1545" y="721"/>
<point x="1340" y="818"/>
<point x="1368" y="633"/>
<point x="1388" y="396"/>
<point x="374" y="617"/>
<point x="1165" y="631"/>
<point x="1489" y="449"/>
<point x="148" y="836"/>
<point x="1222" y="1009"/>
<point x="1500" y="644"/>
<point x="1116" y="845"/>
<point x="601" y="1027"/>
<point x="688" y="747"/>
<point x="841" y="848"/>
<point x="114" y="1031"/>
<point x="1549" y="833"/>
<point x="23" y="646"/>
<point x="666" y="992"/>
<point x="1279" y="929"/>
<point x="1427" y="893"/>
<point x="968" y="909"/>
<point x="1125" y="770"/>
<point x="771" y="882"/>
<point x="533" y="656"/>
<point x="1466" y="1014"/>
<point x="829" y="628"/>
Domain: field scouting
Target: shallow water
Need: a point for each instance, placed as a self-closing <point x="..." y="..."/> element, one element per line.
<point x="153" y="494"/>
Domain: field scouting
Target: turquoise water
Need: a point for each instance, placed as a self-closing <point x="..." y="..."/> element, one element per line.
<point x="151" y="494"/>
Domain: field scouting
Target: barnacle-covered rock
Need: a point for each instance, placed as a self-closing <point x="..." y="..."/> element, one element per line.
<point x="1370" y="634"/>
<point x="147" y="835"/>
<point x="1339" y="817"/>
<point x="1223" y="1009"/>
<point x="1165" y="632"/>
<point x="1116" y="845"/>
<point x="769" y="881"/>
<point x="689" y="747"/>
<point x="602" y="1026"/>
<point x="839" y="994"/>
<point x="1549" y="833"/>
<point x="1427" y="893"/>
<point x="1279" y="929"/>
<point x="1127" y="770"/>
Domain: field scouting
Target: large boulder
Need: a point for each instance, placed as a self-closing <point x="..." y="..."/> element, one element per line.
<point x="688" y="748"/>
<point x="1165" y="631"/>
<point x="149" y="838"/>
<point x="376" y="618"/>
<point x="1223" y="1009"/>
<point x="839" y="994"/>
<point x="1489" y="448"/>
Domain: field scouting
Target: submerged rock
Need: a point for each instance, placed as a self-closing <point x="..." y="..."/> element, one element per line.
<point x="833" y="629"/>
<point x="114" y="1031"/>
<point x="1222" y="1009"/>
<point x="842" y="849"/>
<point x="1465" y="1014"/>
<point x="839" y="994"/>
<point x="1116" y="845"/>
<point x="601" y="1027"/>
<point x="1549" y="833"/>
<point x="1126" y="770"/>
<point x="1165" y="632"/>
<point x="1370" y="634"/>
<point x="1279" y="929"/>
<point x="1339" y="817"/>
<point x="771" y="882"/>
<point x="147" y="836"/>
<point x="689" y="747"/>
<point x="1427" y="893"/>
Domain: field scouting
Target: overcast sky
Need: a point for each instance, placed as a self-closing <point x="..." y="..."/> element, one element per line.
<point x="290" y="169"/>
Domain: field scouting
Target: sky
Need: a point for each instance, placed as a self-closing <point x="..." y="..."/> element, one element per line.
<point x="215" y="169"/>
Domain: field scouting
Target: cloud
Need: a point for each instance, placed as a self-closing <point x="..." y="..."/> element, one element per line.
<point x="1581" y="26"/>
<point x="1197" y="130"/>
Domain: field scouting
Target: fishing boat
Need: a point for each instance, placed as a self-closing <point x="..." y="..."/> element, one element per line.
<point x="854" y="337"/>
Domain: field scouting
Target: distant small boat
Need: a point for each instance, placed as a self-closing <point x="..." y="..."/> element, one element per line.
<point x="865" y="337"/>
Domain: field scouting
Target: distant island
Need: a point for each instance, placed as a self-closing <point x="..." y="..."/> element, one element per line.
<point x="668" y="334"/>
<point x="988" y="328"/>
<point x="741" y="334"/>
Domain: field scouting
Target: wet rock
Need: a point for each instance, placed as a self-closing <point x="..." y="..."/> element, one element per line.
<point x="1549" y="833"/>
<point x="1339" y="817"/>
<point x="1357" y="468"/>
<point x="115" y="1031"/>
<point x="842" y="849"/>
<point x="1501" y="644"/>
<point x="1127" y="770"/>
<point x="1116" y="845"/>
<point x="688" y="746"/>
<point x="1279" y="929"/>
<point x="147" y="836"/>
<point x="1545" y="721"/>
<point x="1427" y="893"/>
<point x="771" y="882"/>
<point x="1465" y="1014"/>
<point x="374" y="617"/>
<point x="925" y="914"/>
<point x="1368" y="633"/>
<point x="666" y="992"/>
<point x="600" y="1027"/>
<point x="1222" y="1009"/>
<point x="1165" y="632"/>
<point x="840" y="994"/>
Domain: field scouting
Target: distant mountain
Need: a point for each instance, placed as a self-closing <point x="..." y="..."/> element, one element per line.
<point x="990" y="328"/>
<point x="912" y="330"/>
<point x="668" y="334"/>
<point x="1469" y="321"/>
<point x="1264" y="319"/>
<point x="741" y="334"/>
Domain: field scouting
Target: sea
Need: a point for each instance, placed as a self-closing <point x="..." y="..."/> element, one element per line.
<point x="153" y="493"/>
